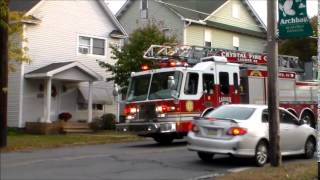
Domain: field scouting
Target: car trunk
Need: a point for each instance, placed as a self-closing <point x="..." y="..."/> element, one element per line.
<point x="215" y="128"/>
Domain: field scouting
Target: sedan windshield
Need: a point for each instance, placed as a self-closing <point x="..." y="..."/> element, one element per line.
<point x="231" y="112"/>
<point x="159" y="85"/>
<point x="138" y="89"/>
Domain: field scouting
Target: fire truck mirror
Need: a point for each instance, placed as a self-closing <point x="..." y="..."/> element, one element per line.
<point x="171" y="83"/>
<point x="115" y="91"/>
<point x="174" y="94"/>
<point x="205" y="92"/>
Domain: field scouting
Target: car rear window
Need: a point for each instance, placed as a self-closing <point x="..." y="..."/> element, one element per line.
<point x="231" y="112"/>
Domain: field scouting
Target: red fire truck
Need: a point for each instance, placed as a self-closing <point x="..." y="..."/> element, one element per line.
<point x="191" y="81"/>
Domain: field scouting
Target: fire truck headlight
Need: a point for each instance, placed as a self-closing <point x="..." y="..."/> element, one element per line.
<point x="133" y="110"/>
<point x="130" y="117"/>
<point x="162" y="115"/>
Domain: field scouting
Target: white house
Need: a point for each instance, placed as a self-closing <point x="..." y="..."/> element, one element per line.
<point x="65" y="39"/>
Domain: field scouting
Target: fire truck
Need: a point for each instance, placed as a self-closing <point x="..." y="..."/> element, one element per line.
<point x="191" y="81"/>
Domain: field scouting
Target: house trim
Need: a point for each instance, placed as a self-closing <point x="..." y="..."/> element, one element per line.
<point x="51" y="73"/>
<point x="218" y="9"/>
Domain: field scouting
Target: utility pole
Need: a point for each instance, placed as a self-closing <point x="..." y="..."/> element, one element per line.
<point x="3" y="70"/>
<point x="318" y="78"/>
<point x="273" y="96"/>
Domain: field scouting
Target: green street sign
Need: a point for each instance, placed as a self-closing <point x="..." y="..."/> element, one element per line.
<point x="293" y="19"/>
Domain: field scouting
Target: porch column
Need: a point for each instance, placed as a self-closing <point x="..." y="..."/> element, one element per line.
<point x="90" y="103"/>
<point x="48" y="101"/>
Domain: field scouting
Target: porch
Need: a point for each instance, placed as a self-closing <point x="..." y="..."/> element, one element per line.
<point x="59" y="83"/>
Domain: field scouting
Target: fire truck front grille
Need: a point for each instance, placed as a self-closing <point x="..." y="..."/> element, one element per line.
<point x="147" y="112"/>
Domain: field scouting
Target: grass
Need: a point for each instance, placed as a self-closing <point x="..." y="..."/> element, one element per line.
<point x="19" y="141"/>
<point x="302" y="170"/>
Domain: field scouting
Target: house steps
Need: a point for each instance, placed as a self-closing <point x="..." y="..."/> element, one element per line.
<point x="76" y="127"/>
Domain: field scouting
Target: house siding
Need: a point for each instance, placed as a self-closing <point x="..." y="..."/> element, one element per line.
<point x="14" y="88"/>
<point x="195" y="35"/>
<point x="53" y="40"/>
<point x="224" y="39"/>
<point x="157" y="13"/>
<point x="245" y="20"/>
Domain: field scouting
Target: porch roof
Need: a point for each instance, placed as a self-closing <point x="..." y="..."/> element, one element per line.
<point x="71" y="71"/>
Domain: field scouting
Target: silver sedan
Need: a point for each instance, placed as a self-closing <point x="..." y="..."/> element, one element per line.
<point x="243" y="131"/>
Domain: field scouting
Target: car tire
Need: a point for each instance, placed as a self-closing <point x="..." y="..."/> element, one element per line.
<point x="309" y="148"/>
<point x="206" y="157"/>
<point x="261" y="153"/>
<point x="163" y="140"/>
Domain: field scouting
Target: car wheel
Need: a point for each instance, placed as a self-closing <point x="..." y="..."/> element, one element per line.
<point x="163" y="140"/>
<point x="261" y="154"/>
<point x="309" y="148"/>
<point x="206" y="157"/>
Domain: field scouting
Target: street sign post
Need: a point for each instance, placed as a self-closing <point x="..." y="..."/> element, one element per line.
<point x="293" y="19"/>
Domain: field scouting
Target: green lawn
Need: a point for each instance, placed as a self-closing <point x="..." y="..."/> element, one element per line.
<point x="18" y="141"/>
<point x="302" y="170"/>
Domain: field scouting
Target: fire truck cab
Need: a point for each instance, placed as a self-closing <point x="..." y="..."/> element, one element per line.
<point x="158" y="108"/>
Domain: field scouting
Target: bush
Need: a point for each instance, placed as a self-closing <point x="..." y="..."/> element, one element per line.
<point x="109" y="121"/>
<point x="97" y="124"/>
<point x="65" y="116"/>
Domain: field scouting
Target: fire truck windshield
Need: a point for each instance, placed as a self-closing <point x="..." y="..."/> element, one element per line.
<point x="138" y="88"/>
<point x="159" y="89"/>
<point x="159" y="85"/>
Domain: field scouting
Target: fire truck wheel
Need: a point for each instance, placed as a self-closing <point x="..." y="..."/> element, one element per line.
<point x="307" y="116"/>
<point x="164" y="140"/>
<point x="206" y="157"/>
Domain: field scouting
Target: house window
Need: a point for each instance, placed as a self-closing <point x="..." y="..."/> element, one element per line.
<point x="144" y="9"/>
<point x="89" y="45"/>
<point x="236" y="11"/>
<point x="207" y="38"/>
<point x="236" y="42"/>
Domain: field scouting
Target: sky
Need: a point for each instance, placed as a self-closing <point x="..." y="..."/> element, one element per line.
<point x="260" y="7"/>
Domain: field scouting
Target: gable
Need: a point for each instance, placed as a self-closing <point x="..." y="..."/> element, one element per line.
<point x="193" y="9"/>
<point x="224" y="15"/>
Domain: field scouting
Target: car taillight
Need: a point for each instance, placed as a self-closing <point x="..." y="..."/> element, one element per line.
<point x="237" y="131"/>
<point x="195" y="128"/>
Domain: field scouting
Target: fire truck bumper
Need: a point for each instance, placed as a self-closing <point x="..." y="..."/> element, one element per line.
<point x="147" y="129"/>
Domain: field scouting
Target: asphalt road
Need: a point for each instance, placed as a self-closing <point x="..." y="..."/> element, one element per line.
<point x="129" y="161"/>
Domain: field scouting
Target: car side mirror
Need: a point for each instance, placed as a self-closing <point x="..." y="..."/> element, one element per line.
<point x="301" y="122"/>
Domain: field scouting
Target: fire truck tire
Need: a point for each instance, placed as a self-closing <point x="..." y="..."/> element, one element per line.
<point x="206" y="157"/>
<point x="163" y="139"/>
<point x="308" y="117"/>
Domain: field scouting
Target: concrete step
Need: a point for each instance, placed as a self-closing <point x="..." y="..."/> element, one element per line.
<point x="77" y="131"/>
<point x="76" y="127"/>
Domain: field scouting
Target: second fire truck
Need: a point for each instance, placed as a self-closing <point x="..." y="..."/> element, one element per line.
<point x="161" y="103"/>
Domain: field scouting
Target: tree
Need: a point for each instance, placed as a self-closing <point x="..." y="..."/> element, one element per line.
<point x="130" y="57"/>
<point x="304" y="48"/>
<point x="17" y="53"/>
<point x="4" y="13"/>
